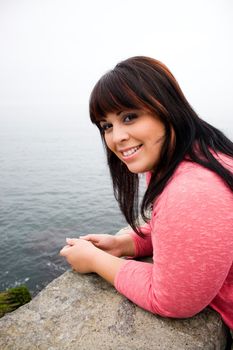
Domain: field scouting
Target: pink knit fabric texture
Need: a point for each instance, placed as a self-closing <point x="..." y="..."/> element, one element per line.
<point x="190" y="237"/>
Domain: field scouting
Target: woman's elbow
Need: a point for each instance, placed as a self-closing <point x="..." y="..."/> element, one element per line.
<point x="176" y="309"/>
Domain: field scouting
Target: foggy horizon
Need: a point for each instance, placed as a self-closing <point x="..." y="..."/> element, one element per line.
<point x="53" y="52"/>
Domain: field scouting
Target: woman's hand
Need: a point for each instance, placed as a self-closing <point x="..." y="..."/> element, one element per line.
<point x="84" y="257"/>
<point x="80" y="254"/>
<point x="109" y="244"/>
<point x="118" y="245"/>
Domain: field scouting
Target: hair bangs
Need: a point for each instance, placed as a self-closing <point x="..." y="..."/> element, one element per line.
<point x="112" y="94"/>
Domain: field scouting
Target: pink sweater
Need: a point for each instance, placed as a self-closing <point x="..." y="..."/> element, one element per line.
<point x="190" y="236"/>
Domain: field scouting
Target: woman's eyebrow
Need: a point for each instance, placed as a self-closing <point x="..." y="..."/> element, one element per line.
<point x="133" y="110"/>
<point x="103" y="119"/>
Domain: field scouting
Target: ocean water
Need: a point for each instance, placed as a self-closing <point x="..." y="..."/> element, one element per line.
<point x="54" y="183"/>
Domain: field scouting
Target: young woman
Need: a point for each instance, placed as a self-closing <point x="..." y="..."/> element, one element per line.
<point x="149" y="127"/>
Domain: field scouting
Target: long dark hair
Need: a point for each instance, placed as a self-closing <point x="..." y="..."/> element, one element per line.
<point x="145" y="83"/>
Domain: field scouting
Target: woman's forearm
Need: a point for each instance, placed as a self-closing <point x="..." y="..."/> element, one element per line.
<point x="106" y="265"/>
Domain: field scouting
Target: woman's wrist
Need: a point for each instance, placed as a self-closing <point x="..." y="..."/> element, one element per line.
<point x="125" y="245"/>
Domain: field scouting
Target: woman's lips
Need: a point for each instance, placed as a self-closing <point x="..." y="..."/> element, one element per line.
<point x="129" y="152"/>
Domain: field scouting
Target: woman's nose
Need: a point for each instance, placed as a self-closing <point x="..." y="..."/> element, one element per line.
<point x="119" y="134"/>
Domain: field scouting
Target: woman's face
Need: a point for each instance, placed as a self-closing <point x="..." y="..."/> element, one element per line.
<point x="136" y="137"/>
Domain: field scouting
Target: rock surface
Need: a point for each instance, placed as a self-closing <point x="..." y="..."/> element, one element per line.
<point x="85" y="312"/>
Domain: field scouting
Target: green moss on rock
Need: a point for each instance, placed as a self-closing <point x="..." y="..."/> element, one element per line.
<point x="13" y="298"/>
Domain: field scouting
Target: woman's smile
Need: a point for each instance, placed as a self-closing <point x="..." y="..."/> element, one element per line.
<point x="130" y="152"/>
<point x="136" y="137"/>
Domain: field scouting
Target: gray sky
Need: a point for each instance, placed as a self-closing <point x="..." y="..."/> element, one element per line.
<point x="53" y="51"/>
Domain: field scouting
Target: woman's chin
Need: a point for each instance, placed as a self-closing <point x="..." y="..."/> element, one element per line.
<point x="136" y="170"/>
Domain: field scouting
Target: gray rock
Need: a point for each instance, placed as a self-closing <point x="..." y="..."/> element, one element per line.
<point x="85" y="312"/>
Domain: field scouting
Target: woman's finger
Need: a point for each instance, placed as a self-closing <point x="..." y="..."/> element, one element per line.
<point x="64" y="250"/>
<point x="71" y="241"/>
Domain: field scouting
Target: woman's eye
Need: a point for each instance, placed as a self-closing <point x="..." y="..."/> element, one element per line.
<point x="105" y="126"/>
<point x="129" y="117"/>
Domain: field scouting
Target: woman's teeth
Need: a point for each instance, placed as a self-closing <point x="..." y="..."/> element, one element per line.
<point x="131" y="151"/>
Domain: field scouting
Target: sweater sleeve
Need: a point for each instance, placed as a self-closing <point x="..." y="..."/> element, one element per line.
<point x="143" y="245"/>
<point x="192" y="248"/>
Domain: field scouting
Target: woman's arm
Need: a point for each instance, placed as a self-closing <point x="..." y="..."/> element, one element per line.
<point x="193" y="247"/>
